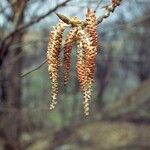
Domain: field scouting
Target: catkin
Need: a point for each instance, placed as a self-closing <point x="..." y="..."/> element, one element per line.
<point x="67" y="53"/>
<point x="86" y="38"/>
<point x="53" y="51"/>
<point x="84" y="44"/>
<point x="91" y="25"/>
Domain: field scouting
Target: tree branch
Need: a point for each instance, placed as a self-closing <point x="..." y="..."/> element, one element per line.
<point x="38" y="19"/>
<point x="108" y="10"/>
<point x="34" y="69"/>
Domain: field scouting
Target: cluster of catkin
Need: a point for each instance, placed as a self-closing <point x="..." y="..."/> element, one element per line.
<point x="86" y="39"/>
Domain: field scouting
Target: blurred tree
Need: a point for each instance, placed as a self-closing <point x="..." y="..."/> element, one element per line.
<point x="103" y="75"/>
<point x="117" y="60"/>
<point x="11" y="61"/>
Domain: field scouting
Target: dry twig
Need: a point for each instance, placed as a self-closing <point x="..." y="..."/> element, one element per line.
<point x="34" y="69"/>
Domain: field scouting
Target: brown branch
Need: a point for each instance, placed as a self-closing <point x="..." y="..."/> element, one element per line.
<point x="24" y="26"/>
<point x="108" y="10"/>
<point x="36" y="20"/>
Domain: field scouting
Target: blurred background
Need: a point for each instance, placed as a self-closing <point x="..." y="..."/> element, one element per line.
<point x="120" y="106"/>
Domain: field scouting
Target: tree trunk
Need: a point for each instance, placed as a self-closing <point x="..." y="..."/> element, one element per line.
<point x="10" y="89"/>
<point x="10" y="82"/>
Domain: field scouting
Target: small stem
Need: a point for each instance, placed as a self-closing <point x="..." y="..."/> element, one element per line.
<point x="108" y="10"/>
<point x="98" y="5"/>
<point x="34" y="69"/>
<point x="76" y="22"/>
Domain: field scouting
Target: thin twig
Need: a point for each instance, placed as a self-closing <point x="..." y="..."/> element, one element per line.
<point x="98" y="4"/>
<point x="108" y="10"/>
<point x="34" y="69"/>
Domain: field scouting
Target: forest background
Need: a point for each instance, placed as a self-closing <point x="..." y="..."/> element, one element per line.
<point x="120" y="106"/>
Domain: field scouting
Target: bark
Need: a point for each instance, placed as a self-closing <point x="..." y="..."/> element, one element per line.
<point x="11" y="98"/>
<point x="10" y="84"/>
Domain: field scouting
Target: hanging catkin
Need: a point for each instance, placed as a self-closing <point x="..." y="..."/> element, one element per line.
<point x="91" y="25"/>
<point x="54" y="46"/>
<point x="84" y="33"/>
<point x="84" y="44"/>
<point x="67" y="53"/>
<point x="87" y="51"/>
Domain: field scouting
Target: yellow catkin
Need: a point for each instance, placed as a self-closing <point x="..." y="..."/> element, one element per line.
<point x="53" y="51"/>
<point x="86" y="38"/>
<point x="67" y="53"/>
<point x="89" y="42"/>
<point x="91" y="25"/>
<point x="84" y="44"/>
<point x="80" y="66"/>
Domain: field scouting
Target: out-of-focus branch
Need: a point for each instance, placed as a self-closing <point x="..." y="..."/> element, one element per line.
<point x="34" y="69"/>
<point x="24" y="26"/>
<point x="3" y="9"/>
<point x="98" y="4"/>
<point x="108" y="10"/>
<point x="36" y="20"/>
